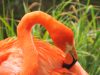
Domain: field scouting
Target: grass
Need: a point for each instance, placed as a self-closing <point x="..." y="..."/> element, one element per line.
<point x="83" y="19"/>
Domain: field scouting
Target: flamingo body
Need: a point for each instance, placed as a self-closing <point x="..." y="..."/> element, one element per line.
<point x="50" y="57"/>
<point x="26" y="55"/>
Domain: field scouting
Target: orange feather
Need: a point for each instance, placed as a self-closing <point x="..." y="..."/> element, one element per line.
<point x="31" y="56"/>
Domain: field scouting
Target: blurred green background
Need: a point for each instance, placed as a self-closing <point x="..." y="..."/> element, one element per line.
<point x="82" y="16"/>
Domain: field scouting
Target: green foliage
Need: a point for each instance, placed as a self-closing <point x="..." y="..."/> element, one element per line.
<point x="81" y="18"/>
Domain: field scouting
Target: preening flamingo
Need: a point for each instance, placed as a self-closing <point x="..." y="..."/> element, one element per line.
<point x="26" y="55"/>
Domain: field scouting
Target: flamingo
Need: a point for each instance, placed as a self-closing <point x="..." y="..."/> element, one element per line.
<point x="27" y="55"/>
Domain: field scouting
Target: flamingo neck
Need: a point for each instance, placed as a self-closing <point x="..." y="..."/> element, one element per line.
<point x="60" y="34"/>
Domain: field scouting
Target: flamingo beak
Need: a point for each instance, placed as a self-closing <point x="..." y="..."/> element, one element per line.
<point x="71" y="60"/>
<point x="77" y="69"/>
<point x="72" y="51"/>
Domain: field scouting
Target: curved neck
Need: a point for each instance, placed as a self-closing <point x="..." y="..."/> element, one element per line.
<point x="60" y="34"/>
